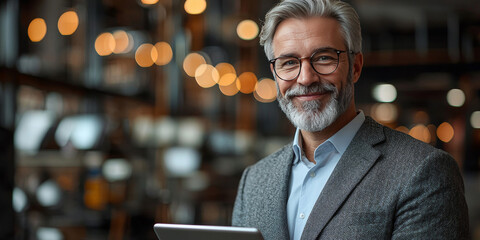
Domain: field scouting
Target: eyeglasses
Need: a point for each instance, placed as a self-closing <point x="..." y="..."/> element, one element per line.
<point x="323" y="61"/>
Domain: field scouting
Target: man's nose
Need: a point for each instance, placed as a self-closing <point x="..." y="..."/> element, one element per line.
<point x="307" y="75"/>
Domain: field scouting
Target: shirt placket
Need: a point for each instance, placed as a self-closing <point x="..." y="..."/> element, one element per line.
<point x="302" y="213"/>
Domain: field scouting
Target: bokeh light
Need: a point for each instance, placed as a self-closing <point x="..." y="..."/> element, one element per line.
<point x="226" y="73"/>
<point x="68" y="23"/>
<point x="49" y="233"/>
<point x="164" y="131"/>
<point x="191" y="132"/>
<point x="82" y="131"/>
<point x="229" y="90"/>
<point x="123" y="42"/>
<point x="206" y="76"/>
<point x="142" y="129"/>
<point x="247" y="82"/>
<point x="266" y="90"/>
<point x="87" y="131"/>
<point x="149" y="2"/>
<point x="475" y="119"/>
<point x="19" y="200"/>
<point x="181" y="161"/>
<point x="385" y="112"/>
<point x="421" y="117"/>
<point x="165" y="53"/>
<point x="247" y="29"/>
<point x="31" y="130"/>
<point x="456" y="97"/>
<point x="146" y="55"/>
<point x="195" y="6"/>
<point x="37" y="29"/>
<point x="385" y="93"/>
<point x="154" y="54"/>
<point x="191" y="62"/>
<point x="402" y="129"/>
<point x="116" y="169"/>
<point x="105" y="44"/>
<point x="48" y="194"/>
<point x="421" y="133"/>
<point x="227" y="79"/>
<point x="445" y="132"/>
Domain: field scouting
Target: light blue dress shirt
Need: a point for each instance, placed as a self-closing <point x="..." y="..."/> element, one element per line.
<point x="307" y="179"/>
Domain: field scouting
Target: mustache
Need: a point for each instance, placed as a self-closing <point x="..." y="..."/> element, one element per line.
<point x="312" y="88"/>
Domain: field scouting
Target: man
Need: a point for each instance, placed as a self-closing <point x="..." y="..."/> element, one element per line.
<point x="344" y="176"/>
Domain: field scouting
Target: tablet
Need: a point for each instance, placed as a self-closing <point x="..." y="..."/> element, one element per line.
<point x="202" y="232"/>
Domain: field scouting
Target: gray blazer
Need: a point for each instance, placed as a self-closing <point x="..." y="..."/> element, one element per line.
<point x="387" y="185"/>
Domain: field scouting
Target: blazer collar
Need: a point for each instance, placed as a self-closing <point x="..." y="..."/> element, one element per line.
<point x="357" y="160"/>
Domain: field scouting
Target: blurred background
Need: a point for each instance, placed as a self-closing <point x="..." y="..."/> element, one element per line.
<point x="117" y="114"/>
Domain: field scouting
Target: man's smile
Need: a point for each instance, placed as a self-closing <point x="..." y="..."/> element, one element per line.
<point x="311" y="96"/>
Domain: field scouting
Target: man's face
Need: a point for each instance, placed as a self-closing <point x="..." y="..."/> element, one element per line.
<point x="313" y="101"/>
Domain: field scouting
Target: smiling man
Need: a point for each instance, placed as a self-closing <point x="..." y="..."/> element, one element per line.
<point x="344" y="176"/>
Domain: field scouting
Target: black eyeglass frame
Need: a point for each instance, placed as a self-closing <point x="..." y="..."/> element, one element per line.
<point x="272" y="62"/>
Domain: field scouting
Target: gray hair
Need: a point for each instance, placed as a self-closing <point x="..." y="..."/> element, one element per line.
<point x="336" y="9"/>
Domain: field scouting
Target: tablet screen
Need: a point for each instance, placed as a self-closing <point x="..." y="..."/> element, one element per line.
<point x="202" y="232"/>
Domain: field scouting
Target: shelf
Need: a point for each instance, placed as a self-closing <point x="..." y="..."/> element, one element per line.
<point x="48" y="84"/>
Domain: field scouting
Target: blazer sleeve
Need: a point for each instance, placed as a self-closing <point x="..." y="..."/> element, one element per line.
<point x="238" y="215"/>
<point x="432" y="203"/>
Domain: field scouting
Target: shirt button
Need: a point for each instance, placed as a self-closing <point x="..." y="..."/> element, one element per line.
<point x="302" y="216"/>
<point x="312" y="174"/>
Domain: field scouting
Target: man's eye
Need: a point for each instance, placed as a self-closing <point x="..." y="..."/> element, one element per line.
<point x="289" y="63"/>
<point x="323" y="58"/>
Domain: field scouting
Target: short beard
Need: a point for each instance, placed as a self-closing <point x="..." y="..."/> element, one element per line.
<point x="309" y="116"/>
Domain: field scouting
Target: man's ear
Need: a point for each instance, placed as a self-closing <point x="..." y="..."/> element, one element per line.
<point x="357" y="66"/>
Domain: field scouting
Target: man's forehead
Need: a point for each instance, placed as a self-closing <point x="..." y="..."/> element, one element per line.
<point x="305" y="24"/>
<point x="313" y="32"/>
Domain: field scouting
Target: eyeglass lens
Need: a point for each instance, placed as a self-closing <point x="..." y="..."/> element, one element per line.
<point x="323" y="61"/>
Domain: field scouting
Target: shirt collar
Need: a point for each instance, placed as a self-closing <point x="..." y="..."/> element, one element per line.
<point x="340" y="139"/>
<point x="297" y="146"/>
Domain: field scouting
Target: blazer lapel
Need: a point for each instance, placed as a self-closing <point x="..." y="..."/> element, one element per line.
<point x="276" y="187"/>
<point x="357" y="160"/>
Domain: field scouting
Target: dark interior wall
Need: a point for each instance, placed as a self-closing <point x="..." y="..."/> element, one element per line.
<point x="6" y="184"/>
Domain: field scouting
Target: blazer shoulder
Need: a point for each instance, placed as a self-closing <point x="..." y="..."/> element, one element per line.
<point x="401" y="147"/>
<point x="405" y="142"/>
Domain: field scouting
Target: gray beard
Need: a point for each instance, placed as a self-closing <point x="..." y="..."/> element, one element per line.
<point x="309" y="116"/>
